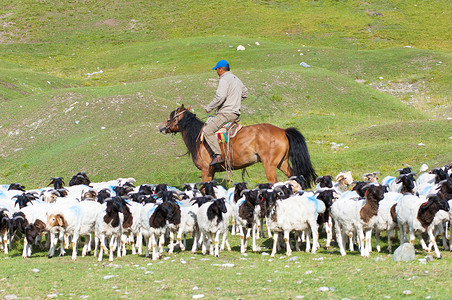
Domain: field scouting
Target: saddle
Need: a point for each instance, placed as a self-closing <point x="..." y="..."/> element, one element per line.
<point x="228" y="131"/>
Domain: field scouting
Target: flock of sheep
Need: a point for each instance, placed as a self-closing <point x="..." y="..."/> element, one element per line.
<point x="111" y="215"/>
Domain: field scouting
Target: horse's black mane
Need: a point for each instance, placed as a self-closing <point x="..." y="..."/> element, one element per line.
<point x="191" y="127"/>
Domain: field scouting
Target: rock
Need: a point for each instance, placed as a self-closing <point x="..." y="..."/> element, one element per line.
<point x="293" y="258"/>
<point x="35" y="270"/>
<point x="324" y="289"/>
<point x="198" y="296"/>
<point x="303" y="64"/>
<point x="10" y="297"/>
<point x="240" y="48"/>
<point x="404" y="252"/>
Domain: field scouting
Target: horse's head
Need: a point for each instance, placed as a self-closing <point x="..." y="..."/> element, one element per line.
<point x="171" y="124"/>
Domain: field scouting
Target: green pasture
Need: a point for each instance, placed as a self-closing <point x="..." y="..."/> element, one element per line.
<point x="84" y="85"/>
<point x="184" y="275"/>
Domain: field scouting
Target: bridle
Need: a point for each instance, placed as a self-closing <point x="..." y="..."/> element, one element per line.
<point x="171" y="120"/>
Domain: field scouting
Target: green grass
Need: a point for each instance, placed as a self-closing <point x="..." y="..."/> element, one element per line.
<point x="248" y="276"/>
<point x="379" y="84"/>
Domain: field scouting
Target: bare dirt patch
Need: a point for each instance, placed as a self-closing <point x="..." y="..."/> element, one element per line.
<point x="108" y="22"/>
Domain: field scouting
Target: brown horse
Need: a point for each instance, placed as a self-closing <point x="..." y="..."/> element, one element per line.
<point x="265" y="143"/>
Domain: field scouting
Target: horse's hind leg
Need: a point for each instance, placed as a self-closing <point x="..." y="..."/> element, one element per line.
<point x="285" y="167"/>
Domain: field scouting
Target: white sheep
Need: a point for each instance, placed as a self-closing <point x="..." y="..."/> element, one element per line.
<point x="416" y="215"/>
<point x="296" y="213"/>
<point x="357" y="216"/>
<point x="74" y="220"/>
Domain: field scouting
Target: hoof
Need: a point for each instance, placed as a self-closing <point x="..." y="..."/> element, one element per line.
<point x="50" y="256"/>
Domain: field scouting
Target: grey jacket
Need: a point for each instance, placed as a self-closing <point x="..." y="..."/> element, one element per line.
<point x="229" y="95"/>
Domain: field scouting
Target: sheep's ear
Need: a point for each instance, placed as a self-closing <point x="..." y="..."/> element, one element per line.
<point x="189" y="107"/>
<point x="181" y="108"/>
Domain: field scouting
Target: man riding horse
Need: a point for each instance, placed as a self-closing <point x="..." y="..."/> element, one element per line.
<point x="227" y="101"/>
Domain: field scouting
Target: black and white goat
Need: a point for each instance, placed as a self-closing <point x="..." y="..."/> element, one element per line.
<point x="415" y="215"/>
<point x="357" y="216"/>
<point x="213" y="220"/>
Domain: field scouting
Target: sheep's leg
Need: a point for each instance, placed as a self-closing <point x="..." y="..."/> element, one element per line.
<point x="267" y="222"/>
<point x="390" y="239"/>
<point x="153" y="242"/>
<point x="433" y="241"/>
<point x="194" y="247"/>
<point x="377" y="238"/>
<point x="255" y="232"/>
<point x="307" y="238"/>
<point x="368" y="244"/>
<point x="123" y="239"/>
<point x="182" y="245"/>
<point x="340" y="237"/>
<point x="275" y="243"/>
<point x="225" y="241"/>
<point x="161" y="243"/>
<point x="362" y="239"/>
<point x="204" y="245"/>
<point x="132" y="242"/>
<point x="96" y="245"/>
<point x="233" y="226"/>
<point x="242" y="239"/>
<point x="140" y="243"/>
<point x="315" y="236"/>
<point x="329" y="232"/>
<point x="443" y="233"/>
<point x="85" y="245"/>
<point x="217" y="242"/>
<point x="287" y="241"/>
<point x="52" y="239"/>
<point x="297" y="236"/>
<point x="351" y="243"/>
<point x="112" y="247"/>
<point x="24" y="252"/>
<point x="257" y="227"/>
<point x="66" y="241"/>
<point x="101" y="247"/>
<point x="171" y="242"/>
<point x="74" y="245"/>
<point x="422" y="242"/>
<point x="247" y="237"/>
<point x="211" y="244"/>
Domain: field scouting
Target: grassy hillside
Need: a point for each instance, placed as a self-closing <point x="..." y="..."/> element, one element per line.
<point x="84" y="84"/>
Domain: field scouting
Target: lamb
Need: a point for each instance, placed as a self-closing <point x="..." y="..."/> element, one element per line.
<point x="323" y="182"/>
<point x="387" y="220"/>
<point x="415" y="216"/>
<point x="109" y="223"/>
<point x="343" y="180"/>
<point x="328" y="197"/>
<point x="299" y="213"/>
<point x="5" y="225"/>
<point x="188" y="224"/>
<point x="22" y="220"/>
<point x="153" y="224"/>
<point x="213" y="220"/>
<point x="131" y="226"/>
<point x="232" y="196"/>
<point x="360" y="216"/>
<point x="247" y="214"/>
<point x="57" y="182"/>
<point x="80" y="179"/>
<point x="75" y="220"/>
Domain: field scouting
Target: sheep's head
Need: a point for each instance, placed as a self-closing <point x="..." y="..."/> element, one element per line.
<point x="56" y="220"/>
<point x="325" y="181"/>
<point x="345" y="178"/>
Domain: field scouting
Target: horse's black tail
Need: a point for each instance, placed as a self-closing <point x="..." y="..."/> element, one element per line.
<point x="299" y="156"/>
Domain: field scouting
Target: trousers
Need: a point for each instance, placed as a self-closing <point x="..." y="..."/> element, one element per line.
<point x="213" y="126"/>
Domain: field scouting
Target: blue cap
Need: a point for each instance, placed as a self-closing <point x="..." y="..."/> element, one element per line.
<point x="220" y="64"/>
